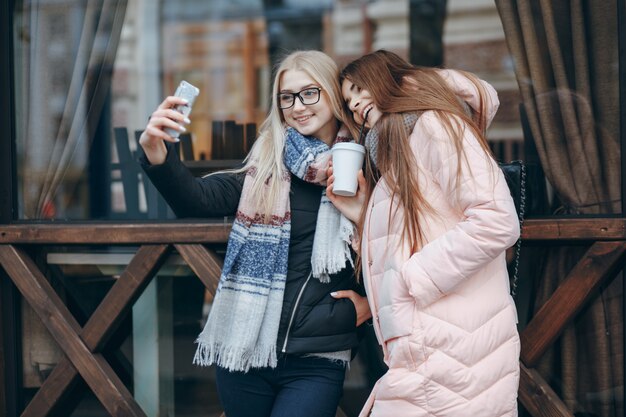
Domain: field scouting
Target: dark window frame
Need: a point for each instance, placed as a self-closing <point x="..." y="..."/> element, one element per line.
<point x="10" y="323"/>
<point x="621" y="48"/>
<point x="7" y="117"/>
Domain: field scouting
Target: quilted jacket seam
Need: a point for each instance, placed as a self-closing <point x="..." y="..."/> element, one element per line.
<point x="495" y="315"/>
<point x="482" y="392"/>
<point x="470" y="366"/>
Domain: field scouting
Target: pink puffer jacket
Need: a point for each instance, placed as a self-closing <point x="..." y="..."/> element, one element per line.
<point x="443" y="315"/>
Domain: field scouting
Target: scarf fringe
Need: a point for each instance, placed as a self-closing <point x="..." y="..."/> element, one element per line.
<point x="323" y="268"/>
<point x="331" y="251"/>
<point x="235" y="359"/>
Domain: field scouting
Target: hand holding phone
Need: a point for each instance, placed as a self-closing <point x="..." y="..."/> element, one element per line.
<point x="189" y="92"/>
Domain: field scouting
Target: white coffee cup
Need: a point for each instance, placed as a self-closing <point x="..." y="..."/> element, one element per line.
<point x="347" y="161"/>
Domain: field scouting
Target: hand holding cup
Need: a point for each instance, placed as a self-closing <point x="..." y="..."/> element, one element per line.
<point x="347" y="161"/>
<point x="348" y="206"/>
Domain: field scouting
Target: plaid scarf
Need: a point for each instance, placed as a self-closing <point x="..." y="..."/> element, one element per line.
<point x="242" y="327"/>
<point x="371" y="140"/>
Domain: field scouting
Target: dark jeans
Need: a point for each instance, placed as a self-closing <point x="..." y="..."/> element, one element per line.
<point x="297" y="387"/>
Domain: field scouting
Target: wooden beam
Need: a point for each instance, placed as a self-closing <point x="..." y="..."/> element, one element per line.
<point x="599" y="265"/>
<point x="38" y="292"/>
<point x="217" y="230"/>
<point x="103" y="322"/>
<point x="204" y="263"/>
<point x="538" y="397"/>
<point x="575" y="229"/>
<point x="137" y="233"/>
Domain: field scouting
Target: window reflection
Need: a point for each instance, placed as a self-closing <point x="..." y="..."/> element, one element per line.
<point x="83" y="68"/>
<point x="115" y="61"/>
<point x="64" y="53"/>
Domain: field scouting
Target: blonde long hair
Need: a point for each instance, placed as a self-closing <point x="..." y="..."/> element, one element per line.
<point x="266" y="156"/>
<point x="397" y="87"/>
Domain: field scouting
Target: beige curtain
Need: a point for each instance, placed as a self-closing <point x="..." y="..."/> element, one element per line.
<point x="566" y="64"/>
<point x="67" y="52"/>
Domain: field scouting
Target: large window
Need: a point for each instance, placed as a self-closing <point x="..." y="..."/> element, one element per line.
<point x="85" y="68"/>
<point x="88" y="73"/>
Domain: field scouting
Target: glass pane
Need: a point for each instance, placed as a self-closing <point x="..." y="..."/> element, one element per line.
<point x="63" y="55"/>
<point x="113" y="64"/>
<point x="89" y="73"/>
<point x="115" y="61"/>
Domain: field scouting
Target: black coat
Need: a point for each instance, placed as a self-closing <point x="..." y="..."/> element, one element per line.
<point x="311" y="320"/>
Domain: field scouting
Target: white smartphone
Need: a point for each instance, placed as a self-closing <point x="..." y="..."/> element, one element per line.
<point x="189" y="92"/>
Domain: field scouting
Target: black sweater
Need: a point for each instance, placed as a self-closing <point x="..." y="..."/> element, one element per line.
<point x="311" y="320"/>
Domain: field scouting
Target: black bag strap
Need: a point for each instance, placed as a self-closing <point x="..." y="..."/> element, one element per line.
<point x="520" y="214"/>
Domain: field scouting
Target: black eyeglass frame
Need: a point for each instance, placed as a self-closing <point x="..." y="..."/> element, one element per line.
<point x="294" y="95"/>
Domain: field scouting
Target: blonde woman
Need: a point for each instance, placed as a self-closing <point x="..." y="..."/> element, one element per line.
<point x="284" y="320"/>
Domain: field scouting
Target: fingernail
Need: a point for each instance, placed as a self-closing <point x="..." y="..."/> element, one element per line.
<point x="182" y="128"/>
<point x="176" y="140"/>
<point x="185" y="101"/>
<point x="187" y="120"/>
<point x="333" y="294"/>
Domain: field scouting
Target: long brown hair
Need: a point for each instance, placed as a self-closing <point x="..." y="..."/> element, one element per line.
<point x="398" y="87"/>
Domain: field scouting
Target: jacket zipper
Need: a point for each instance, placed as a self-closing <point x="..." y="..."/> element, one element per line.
<point x="293" y="312"/>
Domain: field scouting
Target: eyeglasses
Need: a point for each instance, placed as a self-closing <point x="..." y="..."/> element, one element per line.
<point x="307" y="97"/>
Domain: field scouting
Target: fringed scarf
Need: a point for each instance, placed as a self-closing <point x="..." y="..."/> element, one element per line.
<point x="242" y="327"/>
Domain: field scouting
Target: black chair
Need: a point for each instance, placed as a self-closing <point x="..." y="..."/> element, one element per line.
<point x="134" y="182"/>
<point x="231" y="140"/>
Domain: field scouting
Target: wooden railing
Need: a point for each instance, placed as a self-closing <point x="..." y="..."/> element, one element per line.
<point x="83" y="346"/>
<point x="600" y="264"/>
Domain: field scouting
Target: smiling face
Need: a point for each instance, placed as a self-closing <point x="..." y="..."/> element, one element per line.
<point x="316" y="119"/>
<point x="360" y="102"/>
